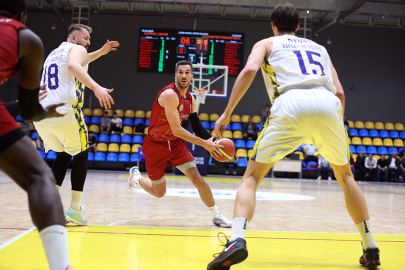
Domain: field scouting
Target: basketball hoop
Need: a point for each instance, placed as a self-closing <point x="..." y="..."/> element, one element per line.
<point x="201" y="94"/>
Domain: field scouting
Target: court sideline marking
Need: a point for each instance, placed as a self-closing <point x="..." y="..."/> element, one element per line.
<point x="17" y="237"/>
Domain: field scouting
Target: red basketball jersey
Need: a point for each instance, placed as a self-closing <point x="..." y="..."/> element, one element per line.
<point x="159" y="128"/>
<point x="9" y="29"/>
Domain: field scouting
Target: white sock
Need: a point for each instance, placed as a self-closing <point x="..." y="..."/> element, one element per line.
<point x="58" y="187"/>
<point x="239" y="226"/>
<point x="76" y="198"/>
<point x="366" y="234"/>
<point x="214" y="211"/>
<point x="54" y="241"/>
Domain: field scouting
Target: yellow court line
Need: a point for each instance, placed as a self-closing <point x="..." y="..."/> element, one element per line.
<point x="129" y="248"/>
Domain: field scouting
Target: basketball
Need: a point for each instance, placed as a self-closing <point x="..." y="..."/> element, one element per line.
<point x="228" y="151"/>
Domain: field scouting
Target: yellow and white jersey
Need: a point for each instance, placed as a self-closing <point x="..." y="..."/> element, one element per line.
<point x="296" y="63"/>
<point x="62" y="86"/>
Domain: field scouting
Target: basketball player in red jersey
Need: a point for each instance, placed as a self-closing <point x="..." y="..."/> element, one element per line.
<point x="22" y="50"/>
<point x="165" y="142"/>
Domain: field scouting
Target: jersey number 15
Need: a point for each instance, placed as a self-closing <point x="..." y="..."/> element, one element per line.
<point x="311" y="61"/>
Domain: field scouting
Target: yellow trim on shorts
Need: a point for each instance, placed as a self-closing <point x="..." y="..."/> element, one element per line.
<point x="254" y="152"/>
<point x="347" y="144"/>
<point x="268" y="69"/>
<point x="82" y="129"/>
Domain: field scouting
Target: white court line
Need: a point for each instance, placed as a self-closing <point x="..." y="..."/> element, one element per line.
<point x="112" y="224"/>
<point x="17" y="237"/>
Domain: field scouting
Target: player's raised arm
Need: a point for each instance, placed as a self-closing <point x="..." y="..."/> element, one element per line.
<point x="77" y="58"/>
<point x="260" y="52"/>
<point x="340" y="92"/>
<point x="108" y="47"/>
<point x="170" y="101"/>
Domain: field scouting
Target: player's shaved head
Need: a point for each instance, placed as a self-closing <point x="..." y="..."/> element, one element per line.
<point x="11" y="8"/>
<point x="77" y="27"/>
<point x="285" y="17"/>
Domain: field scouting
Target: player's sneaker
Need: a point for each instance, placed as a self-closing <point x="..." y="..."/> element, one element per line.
<point x="370" y="258"/>
<point x="76" y="217"/>
<point x="233" y="253"/>
<point x="133" y="180"/>
<point x="221" y="221"/>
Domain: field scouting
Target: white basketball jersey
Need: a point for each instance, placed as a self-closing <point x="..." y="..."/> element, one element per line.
<point x="296" y="63"/>
<point x="62" y="86"/>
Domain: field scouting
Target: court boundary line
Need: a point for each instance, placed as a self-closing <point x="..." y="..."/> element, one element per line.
<point x="15" y="238"/>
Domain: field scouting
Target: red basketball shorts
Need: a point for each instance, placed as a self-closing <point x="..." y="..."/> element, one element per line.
<point x="10" y="132"/>
<point x="157" y="154"/>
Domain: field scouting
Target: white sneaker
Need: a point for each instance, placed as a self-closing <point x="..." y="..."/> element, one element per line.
<point x="221" y="221"/>
<point x="329" y="178"/>
<point x="234" y="172"/>
<point x="133" y="180"/>
<point x="319" y="178"/>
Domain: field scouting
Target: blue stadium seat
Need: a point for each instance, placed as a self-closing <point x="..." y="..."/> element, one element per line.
<point x="372" y="150"/>
<point x="19" y="119"/>
<point x="115" y="138"/>
<point x="240" y="144"/>
<point x="312" y="163"/>
<point x="86" y="120"/>
<point x="95" y="120"/>
<point x="34" y="135"/>
<point x="126" y="139"/>
<point x="353" y="132"/>
<point x="363" y="133"/>
<point x="374" y="134"/>
<point x="212" y="125"/>
<point x="250" y="144"/>
<point x="352" y="149"/>
<point x="112" y="157"/>
<point x="91" y="156"/>
<point x="103" y="138"/>
<point x="99" y="157"/>
<point x="147" y="123"/>
<point x="402" y="135"/>
<point x="42" y="153"/>
<point x="128" y="122"/>
<point x="299" y="148"/>
<point x="228" y="127"/>
<point x="139" y="121"/>
<point x="123" y="157"/>
<point x="242" y="163"/>
<point x="391" y="150"/>
<point x="384" y="134"/>
<point x="237" y="126"/>
<point x="260" y="126"/>
<point x="400" y="150"/>
<point x="205" y="124"/>
<point x="95" y="136"/>
<point x="51" y="155"/>
<point x="134" y="158"/>
<point x="137" y="139"/>
<point x="361" y="148"/>
<point x="304" y="166"/>
<point x="394" y="134"/>
<point x="382" y="150"/>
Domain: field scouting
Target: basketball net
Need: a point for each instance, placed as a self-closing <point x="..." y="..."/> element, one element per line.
<point x="201" y="94"/>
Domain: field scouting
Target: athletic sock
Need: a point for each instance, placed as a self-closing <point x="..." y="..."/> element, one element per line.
<point x="366" y="234"/>
<point x="76" y="198"/>
<point x="58" y="187"/>
<point x="54" y="241"/>
<point x="214" y="211"/>
<point x="239" y="226"/>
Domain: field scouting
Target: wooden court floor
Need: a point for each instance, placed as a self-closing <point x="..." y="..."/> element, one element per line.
<point x="297" y="225"/>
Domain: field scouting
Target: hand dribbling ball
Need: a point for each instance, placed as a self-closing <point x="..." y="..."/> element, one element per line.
<point x="228" y="150"/>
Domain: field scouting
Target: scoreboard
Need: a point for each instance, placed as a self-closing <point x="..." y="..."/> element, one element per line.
<point x="160" y="50"/>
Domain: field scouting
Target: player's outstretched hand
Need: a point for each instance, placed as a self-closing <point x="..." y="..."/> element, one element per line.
<point x="51" y="110"/>
<point x="103" y="97"/>
<point x="221" y="124"/>
<point x="211" y="147"/>
<point x="109" y="46"/>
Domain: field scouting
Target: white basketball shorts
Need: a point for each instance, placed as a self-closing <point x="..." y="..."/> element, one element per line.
<point x="304" y="116"/>
<point x="66" y="134"/>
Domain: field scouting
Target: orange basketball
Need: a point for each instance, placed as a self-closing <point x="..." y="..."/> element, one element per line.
<point x="228" y="151"/>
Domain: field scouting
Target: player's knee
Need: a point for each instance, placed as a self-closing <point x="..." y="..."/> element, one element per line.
<point x="160" y="193"/>
<point x="199" y="182"/>
<point x="41" y="178"/>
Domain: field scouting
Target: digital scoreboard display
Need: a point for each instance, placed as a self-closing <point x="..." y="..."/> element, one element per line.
<point x="160" y="50"/>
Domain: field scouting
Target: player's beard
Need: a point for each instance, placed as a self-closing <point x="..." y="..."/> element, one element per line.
<point x="183" y="85"/>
